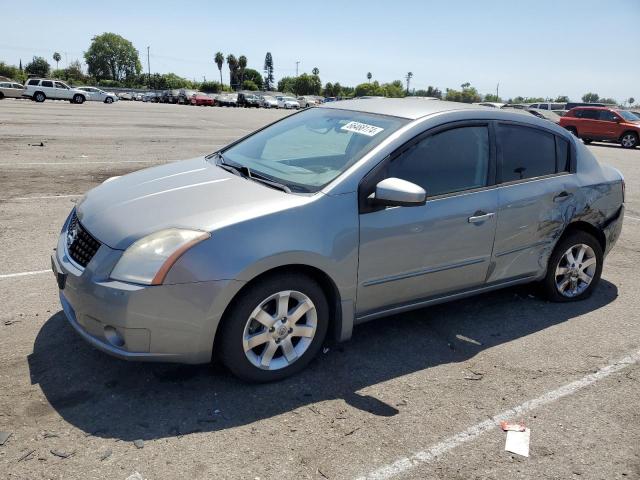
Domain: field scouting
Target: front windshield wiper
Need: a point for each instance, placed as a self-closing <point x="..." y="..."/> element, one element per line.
<point x="246" y="172"/>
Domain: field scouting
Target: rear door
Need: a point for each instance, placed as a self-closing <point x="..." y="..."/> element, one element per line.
<point x="589" y="125"/>
<point x="46" y="86"/>
<point x="413" y="253"/>
<point x="535" y="198"/>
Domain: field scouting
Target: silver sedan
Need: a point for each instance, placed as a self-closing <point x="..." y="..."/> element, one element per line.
<point x="328" y="218"/>
<point x="98" y="95"/>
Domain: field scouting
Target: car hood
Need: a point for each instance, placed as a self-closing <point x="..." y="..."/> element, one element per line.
<point x="193" y="194"/>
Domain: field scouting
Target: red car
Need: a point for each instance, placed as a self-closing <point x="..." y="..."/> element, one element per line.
<point x="201" y="99"/>
<point x="603" y="123"/>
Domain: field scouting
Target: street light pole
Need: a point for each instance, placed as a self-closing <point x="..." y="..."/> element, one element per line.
<point x="297" y="63"/>
<point x="149" y="65"/>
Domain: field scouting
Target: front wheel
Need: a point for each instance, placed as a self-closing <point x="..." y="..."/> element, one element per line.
<point x="587" y="141"/>
<point x="629" y="140"/>
<point x="108" y="100"/>
<point x="79" y="99"/>
<point x="274" y="329"/>
<point x="574" y="268"/>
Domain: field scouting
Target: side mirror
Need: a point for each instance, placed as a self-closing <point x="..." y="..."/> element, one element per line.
<point x="395" y="192"/>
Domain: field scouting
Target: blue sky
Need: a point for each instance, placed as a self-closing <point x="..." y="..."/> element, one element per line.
<point x="531" y="47"/>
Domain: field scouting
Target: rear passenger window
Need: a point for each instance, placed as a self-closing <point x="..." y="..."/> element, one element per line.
<point x="34" y="82"/>
<point x="562" y="155"/>
<point x="526" y="153"/>
<point x="451" y="161"/>
<point x="47" y="83"/>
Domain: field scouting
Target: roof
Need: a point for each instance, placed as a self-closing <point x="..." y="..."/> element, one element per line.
<point x="582" y="107"/>
<point x="411" y="108"/>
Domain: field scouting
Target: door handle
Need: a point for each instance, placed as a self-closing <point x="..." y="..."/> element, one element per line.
<point x="561" y="196"/>
<point x="480" y="217"/>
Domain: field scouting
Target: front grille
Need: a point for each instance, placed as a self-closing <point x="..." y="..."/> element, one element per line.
<point x="80" y="244"/>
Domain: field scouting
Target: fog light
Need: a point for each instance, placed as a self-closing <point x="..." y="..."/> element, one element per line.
<point x="113" y="337"/>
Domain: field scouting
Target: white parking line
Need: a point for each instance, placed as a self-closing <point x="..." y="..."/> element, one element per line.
<point x="23" y="274"/>
<point x="13" y="164"/>
<point x="407" y="463"/>
<point x="45" y="197"/>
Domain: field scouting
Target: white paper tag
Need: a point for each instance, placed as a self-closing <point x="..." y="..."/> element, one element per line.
<point x="362" y="128"/>
<point x="518" y="442"/>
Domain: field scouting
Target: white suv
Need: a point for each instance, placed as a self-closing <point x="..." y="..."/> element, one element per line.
<point x="39" y="89"/>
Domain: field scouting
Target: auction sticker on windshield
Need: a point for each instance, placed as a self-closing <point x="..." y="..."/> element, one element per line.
<point x="362" y="128"/>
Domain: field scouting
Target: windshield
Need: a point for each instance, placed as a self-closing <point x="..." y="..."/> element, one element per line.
<point x="628" y="116"/>
<point x="308" y="150"/>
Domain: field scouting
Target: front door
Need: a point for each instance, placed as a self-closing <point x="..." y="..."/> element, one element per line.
<point x="412" y="253"/>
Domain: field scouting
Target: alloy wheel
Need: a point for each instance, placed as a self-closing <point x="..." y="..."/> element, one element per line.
<point x="629" y="140"/>
<point x="280" y="330"/>
<point x="575" y="270"/>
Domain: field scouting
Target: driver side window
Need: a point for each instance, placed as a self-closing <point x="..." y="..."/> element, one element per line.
<point x="447" y="162"/>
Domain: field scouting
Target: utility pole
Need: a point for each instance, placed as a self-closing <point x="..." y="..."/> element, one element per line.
<point x="149" y="65"/>
<point x="497" y="90"/>
<point x="297" y="63"/>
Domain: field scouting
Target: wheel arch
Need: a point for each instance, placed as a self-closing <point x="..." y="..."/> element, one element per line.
<point x="628" y="131"/>
<point x="581" y="225"/>
<point x="328" y="285"/>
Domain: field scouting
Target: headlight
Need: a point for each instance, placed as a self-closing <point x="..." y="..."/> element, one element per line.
<point x="148" y="260"/>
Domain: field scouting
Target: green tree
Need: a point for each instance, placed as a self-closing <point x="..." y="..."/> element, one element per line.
<point x="38" y="67"/>
<point x="219" y="61"/>
<point x="468" y="94"/>
<point x="590" y="97"/>
<point x="9" y="71"/>
<point x="369" y="76"/>
<point x="211" y="87"/>
<point x="287" y="84"/>
<point x="393" y="89"/>
<point x="327" y="91"/>
<point x="307" y="85"/>
<point x="315" y="71"/>
<point x="56" y="58"/>
<point x="253" y="76"/>
<point x="242" y="66"/>
<point x="609" y="101"/>
<point x="562" y="99"/>
<point x="268" y="71"/>
<point x="492" y="97"/>
<point x="409" y="77"/>
<point x="249" y="85"/>
<point x="112" y="57"/>
<point x="232" y="63"/>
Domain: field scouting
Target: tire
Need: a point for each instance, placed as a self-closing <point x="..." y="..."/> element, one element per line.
<point x="79" y="99"/>
<point x="587" y="141"/>
<point x="629" y="140"/>
<point x="39" y="97"/>
<point x="572" y="130"/>
<point x="108" y="100"/>
<point x="554" y="286"/>
<point x="1" y="95"/>
<point x="240" y="324"/>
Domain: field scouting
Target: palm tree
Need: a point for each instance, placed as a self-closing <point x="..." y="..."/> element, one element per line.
<point x="242" y="65"/>
<point x="408" y="77"/>
<point x="232" y="62"/>
<point x="219" y="60"/>
<point x="315" y="71"/>
<point x="56" y="58"/>
<point x="369" y="76"/>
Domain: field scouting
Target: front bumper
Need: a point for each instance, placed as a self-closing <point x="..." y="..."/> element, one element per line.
<point x="164" y="323"/>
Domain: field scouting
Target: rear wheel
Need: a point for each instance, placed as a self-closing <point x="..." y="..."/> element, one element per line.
<point x="629" y="140"/>
<point x="572" y="130"/>
<point x="275" y="328"/>
<point x="587" y="141"/>
<point x="39" y="97"/>
<point x="79" y="99"/>
<point x="574" y="268"/>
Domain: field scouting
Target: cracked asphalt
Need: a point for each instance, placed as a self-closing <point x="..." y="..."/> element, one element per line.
<point x="400" y="386"/>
